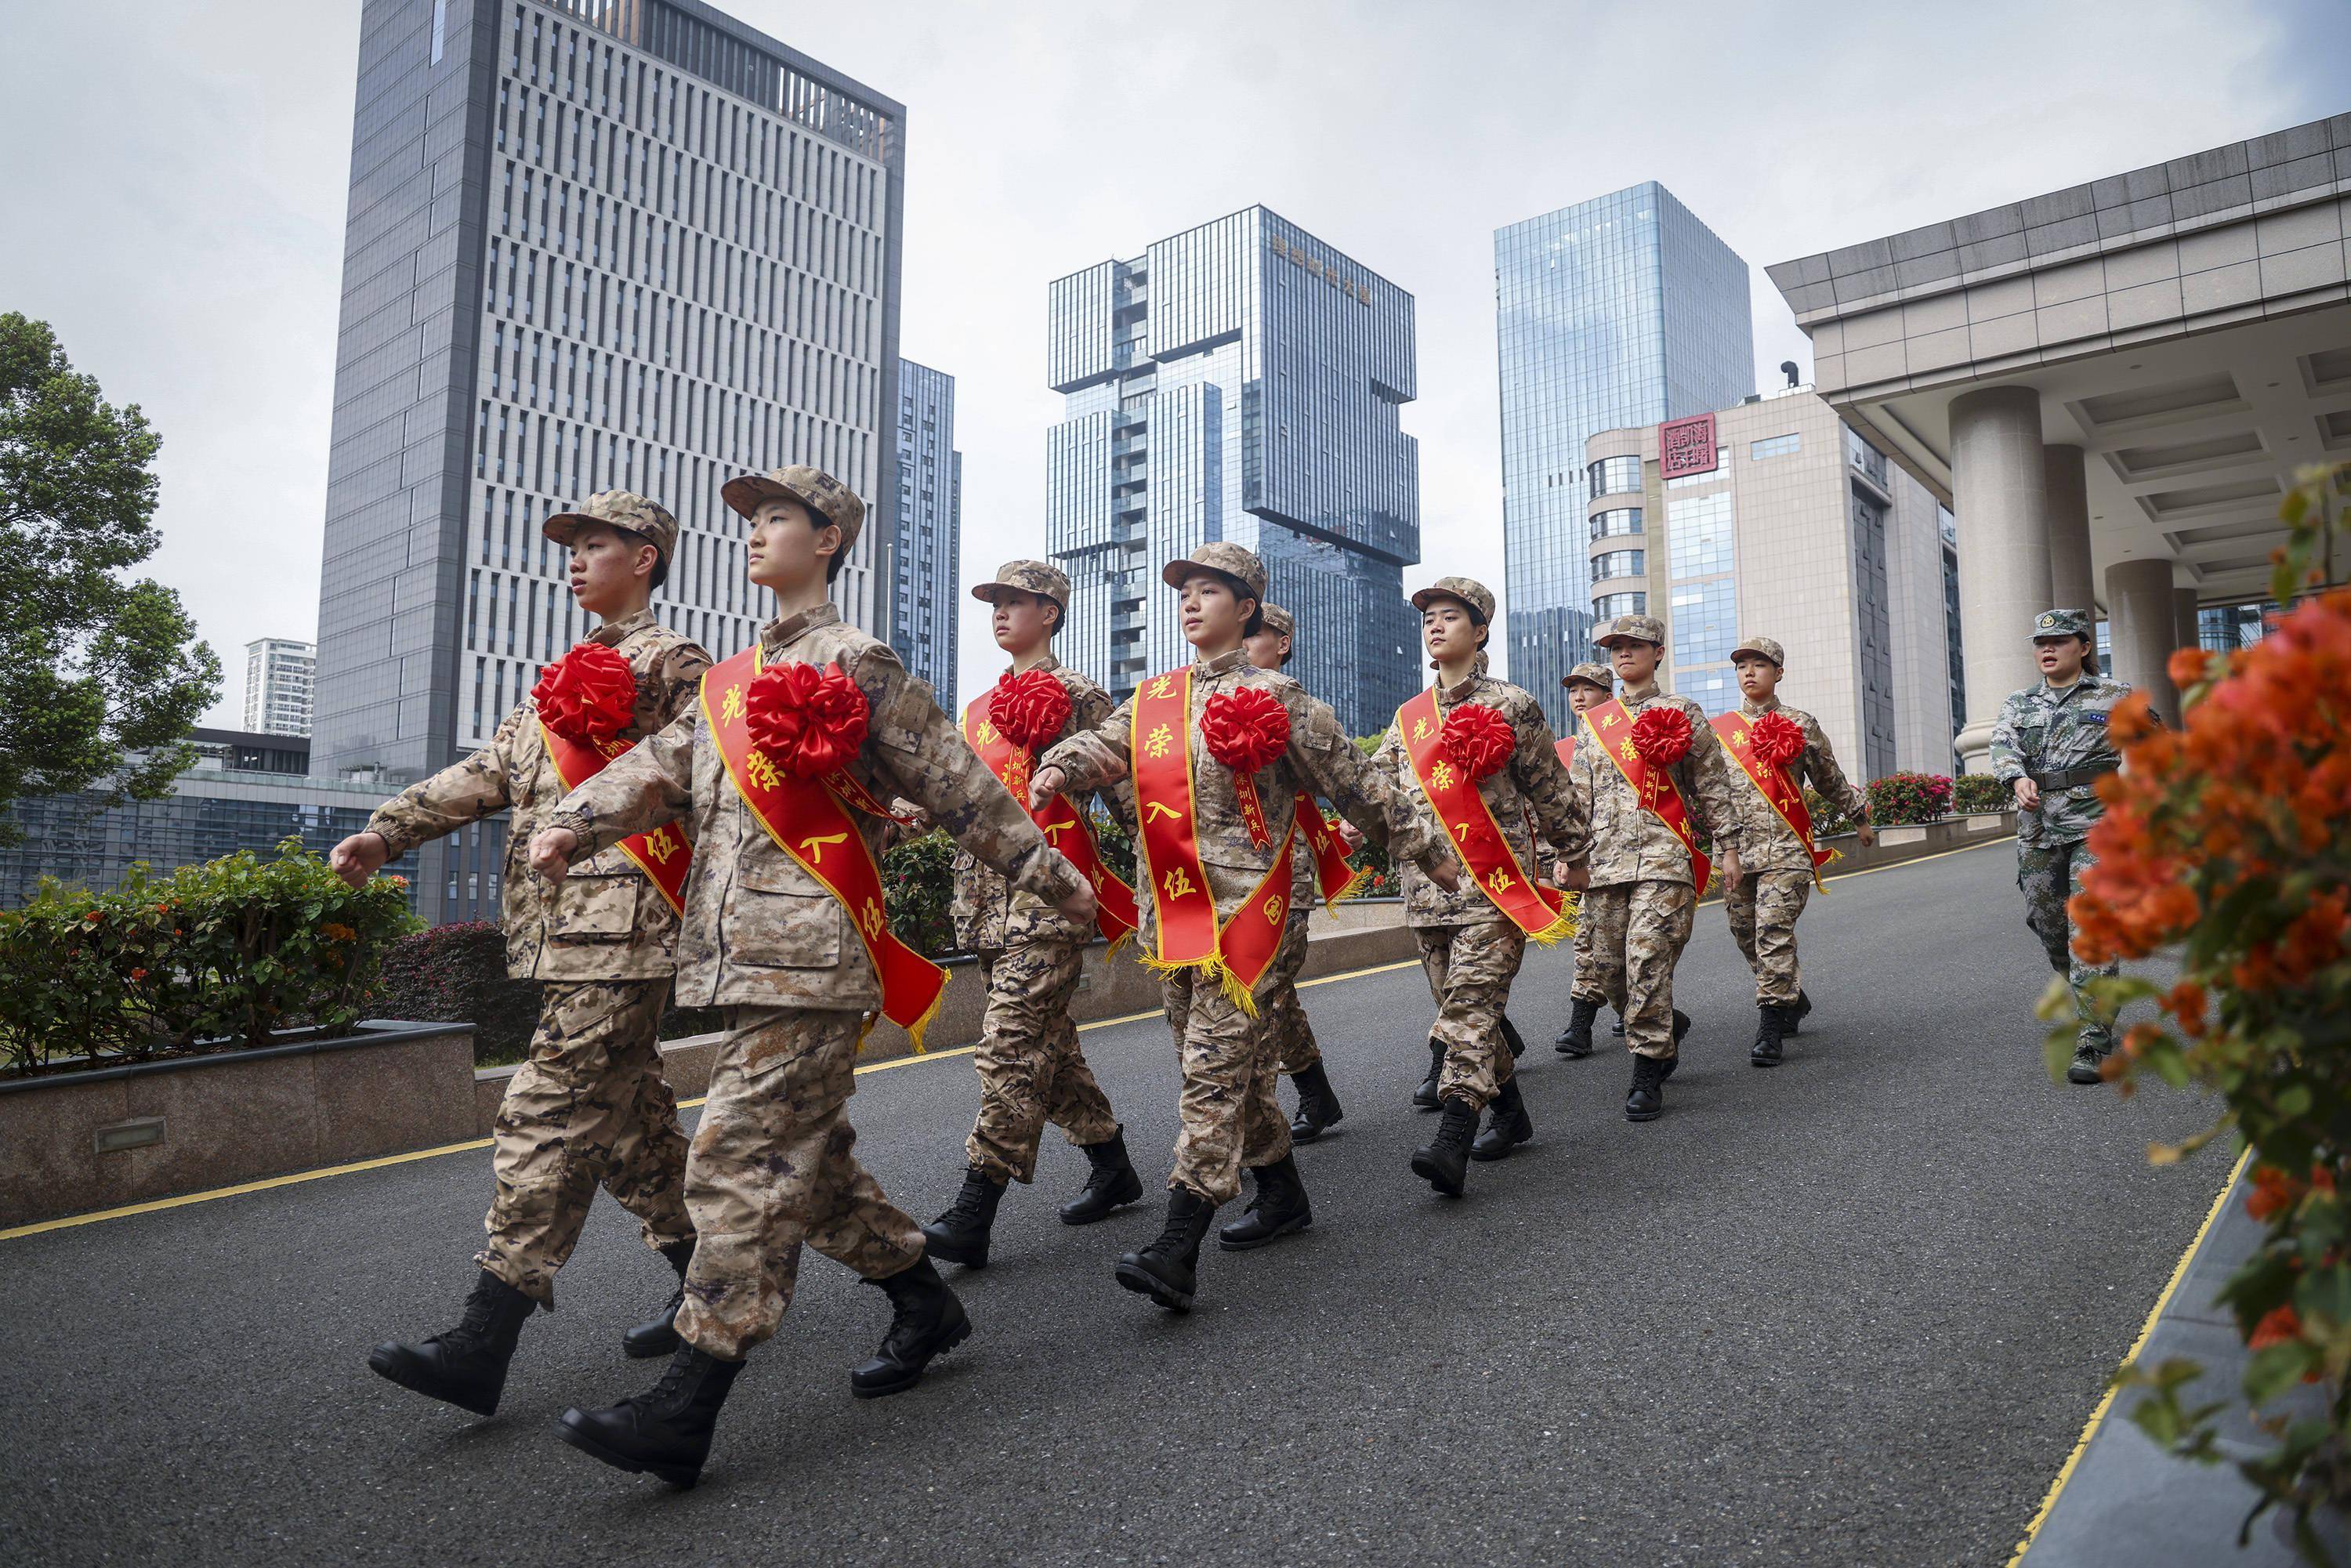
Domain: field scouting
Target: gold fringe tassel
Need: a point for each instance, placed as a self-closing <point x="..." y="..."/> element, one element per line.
<point x="922" y="1025"/>
<point x="1355" y="884"/>
<point x="1558" y="931"/>
<point x="1213" y="970"/>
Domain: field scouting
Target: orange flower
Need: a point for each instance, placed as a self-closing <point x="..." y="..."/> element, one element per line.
<point x="2187" y="665"/>
<point x="2186" y="1002"/>
<point x="93" y="917"/>
<point x="2279" y="1325"/>
<point x="334" y="931"/>
<point x="138" y="974"/>
<point x="2273" y="1192"/>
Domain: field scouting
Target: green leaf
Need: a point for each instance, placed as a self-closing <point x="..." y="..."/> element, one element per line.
<point x="2323" y="1297"/>
<point x="2276" y="1368"/>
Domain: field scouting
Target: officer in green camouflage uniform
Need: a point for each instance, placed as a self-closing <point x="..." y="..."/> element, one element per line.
<point x="1643" y="898"/>
<point x="772" y="1163"/>
<point x="1231" y="1119"/>
<point x="1764" y="904"/>
<point x="1469" y="950"/>
<point x="591" y="1106"/>
<point x="1031" y="1069"/>
<point x="2050" y="747"/>
<point x="1587" y="684"/>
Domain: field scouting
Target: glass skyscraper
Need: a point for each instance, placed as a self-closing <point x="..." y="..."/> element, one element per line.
<point x="592" y="245"/>
<point x="1239" y="380"/>
<point x="930" y="528"/>
<point x="1621" y="311"/>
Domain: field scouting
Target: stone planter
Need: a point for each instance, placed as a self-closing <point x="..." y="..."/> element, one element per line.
<point x="113" y="1135"/>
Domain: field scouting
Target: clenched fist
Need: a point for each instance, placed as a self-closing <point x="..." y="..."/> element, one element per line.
<point x="359" y="857"/>
<point x="551" y="850"/>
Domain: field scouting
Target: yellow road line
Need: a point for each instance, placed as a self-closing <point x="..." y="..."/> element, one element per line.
<point x="2106" y="1401"/>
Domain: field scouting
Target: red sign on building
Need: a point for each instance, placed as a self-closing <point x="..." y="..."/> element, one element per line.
<point x="1686" y="446"/>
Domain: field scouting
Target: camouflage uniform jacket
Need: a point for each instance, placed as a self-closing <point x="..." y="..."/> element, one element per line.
<point x="2047" y="729"/>
<point x="989" y="913"/>
<point x="1532" y="785"/>
<point x="607" y="921"/>
<point x="1765" y="841"/>
<point x="759" y="930"/>
<point x="1321" y="757"/>
<point x="1629" y="843"/>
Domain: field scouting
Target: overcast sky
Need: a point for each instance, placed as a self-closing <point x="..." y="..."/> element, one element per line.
<point x="175" y="177"/>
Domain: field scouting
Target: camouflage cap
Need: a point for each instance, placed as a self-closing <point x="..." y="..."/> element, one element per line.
<point x="1469" y="590"/>
<point x="618" y="509"/>
<point x="1029" y="577"/>
<point x="1632" y="629"/>
<point x="1279" y="621"/>
<point x="814" y="489"/>
<point x="1599" y="676"/>
<point x="1224" y="559"/>
<point x="1763" y="646"/>
<point x="2065" y="624"/>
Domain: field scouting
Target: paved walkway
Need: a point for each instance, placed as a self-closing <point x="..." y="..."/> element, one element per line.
<point x="1853" y="1310"/>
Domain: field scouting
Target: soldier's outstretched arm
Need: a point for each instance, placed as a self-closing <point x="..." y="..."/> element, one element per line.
<point x="1563" y="822"/>
<point x="462" y="793"/>
<point x="1365" y="792"/>
<point x="650" y="784"/>
<point x="1095" y="757"/>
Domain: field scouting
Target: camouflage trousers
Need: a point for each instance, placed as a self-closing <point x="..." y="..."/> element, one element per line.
<point x="1764" y="906"/>
<point x="1584" y="988"/>
<point x="1638" y="930"/>
<point x="773" y="1166"/>
<point x="1031" y="1070"/>
<point x="1469" y="970"/>
<point x="589" y="1108"/>
<point x="1295" y="1049"/>
<point x="2050" y="874"/>
<point x="1231" y="1119"/>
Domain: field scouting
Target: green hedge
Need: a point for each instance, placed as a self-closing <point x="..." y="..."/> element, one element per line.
<point x="211" y="957"/>
<point x="1974" y="794"/>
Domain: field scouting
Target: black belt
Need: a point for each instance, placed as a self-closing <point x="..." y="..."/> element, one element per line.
<point x="2072" y="778"/>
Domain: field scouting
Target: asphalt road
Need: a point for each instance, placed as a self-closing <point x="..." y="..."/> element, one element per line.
<point x="1852" y="1311"/>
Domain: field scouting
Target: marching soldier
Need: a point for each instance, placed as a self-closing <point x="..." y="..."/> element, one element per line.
<point x="1588" y="686"/>
<point x="2050" y="747"/>
<point x="1648" y="768"/>
<point x="1218" y="752"/>
<point x="1774" y="750"/>
<point x="781" y="770"/>
<point x="1473" y="758"/>
<point x="1320" y="873"/>
<point x="1031" y="1068"/>
<point x="590" y="1107"/>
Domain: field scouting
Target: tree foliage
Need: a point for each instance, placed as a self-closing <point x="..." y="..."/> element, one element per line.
<point x="101" y="675"/>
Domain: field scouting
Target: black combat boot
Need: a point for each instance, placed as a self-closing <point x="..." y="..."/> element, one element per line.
<point x="1576" y="1040"/>
<point x="1511" y="1038"/>
<point x="467" y="1366"/>
<point x="658" y="1336"/>
<point x="926" y="1320"/>
<point x="1681" y="1027"/>
<point x="1318" y="1105"/>
<point x="2085" y="1070"/>
<point x="1424" y="1097"/>
<point x="960" y="1235"/>
<point x="1770" y="1023"/>
<point x="1795" y="1015"/>
<point x="1507" y="1125"/>
<point x="1647" y="1102"/>
<point x="1617" y="1027"/>
<point x="666" y="1429"/>
<point x="1444" y="1161"/>
<point x="1168" y="1270"/>
<point x="1110" y="1184"/>
<point x="1278" y="1208"/>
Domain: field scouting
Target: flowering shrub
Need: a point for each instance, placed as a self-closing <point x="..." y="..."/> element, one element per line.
<point x="1904" y="798"/>
<point x="918" y="887"/>
<point x="2229" y="842"/>
<point x="1977" y="794"/>
<point x="209" y="958"/>
<point x="1826" y="818"/>
<point x="457" y="974"/>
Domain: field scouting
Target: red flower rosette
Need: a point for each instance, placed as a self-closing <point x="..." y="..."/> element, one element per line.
<point x="587" y="695"/>
<point x="1776" y="739"/>
<point x="1662" y="735"/>
<point x="1479" y="739"/>
<point x="1030" y="709"/>
<point x="809" y="719"/>
<point x="1246" y="728"/>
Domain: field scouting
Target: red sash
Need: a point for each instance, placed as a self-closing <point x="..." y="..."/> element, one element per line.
<point x="808" y="819"/>
<point x="1334" y="879"/>
<point x="1468" y="822"/>
<point x="1063" y="828"/>
<point x="1187" y="935"/>
<point x="1778" y="786"/>
<point x="661" y="854"/>
<point x="1611" y="732"/>
<point x="1565" y="746"/>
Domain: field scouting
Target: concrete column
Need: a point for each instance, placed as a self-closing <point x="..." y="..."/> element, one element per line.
<point x="2142" y="623"/>
<point x="2185" y="633"/>
<point x="2071" y="583"/>
<point x="2000" y="495"/>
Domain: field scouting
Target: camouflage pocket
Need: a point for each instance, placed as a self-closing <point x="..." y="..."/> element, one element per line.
<point x="595" y="909"/>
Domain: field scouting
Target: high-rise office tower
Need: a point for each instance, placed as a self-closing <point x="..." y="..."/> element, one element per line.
<point x="1239" y="380"/>
<point x="930" y="527"/>
<point x="1621" y="311"/>
<point x="278" y="672"/>
<point x="592" y="245"/>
